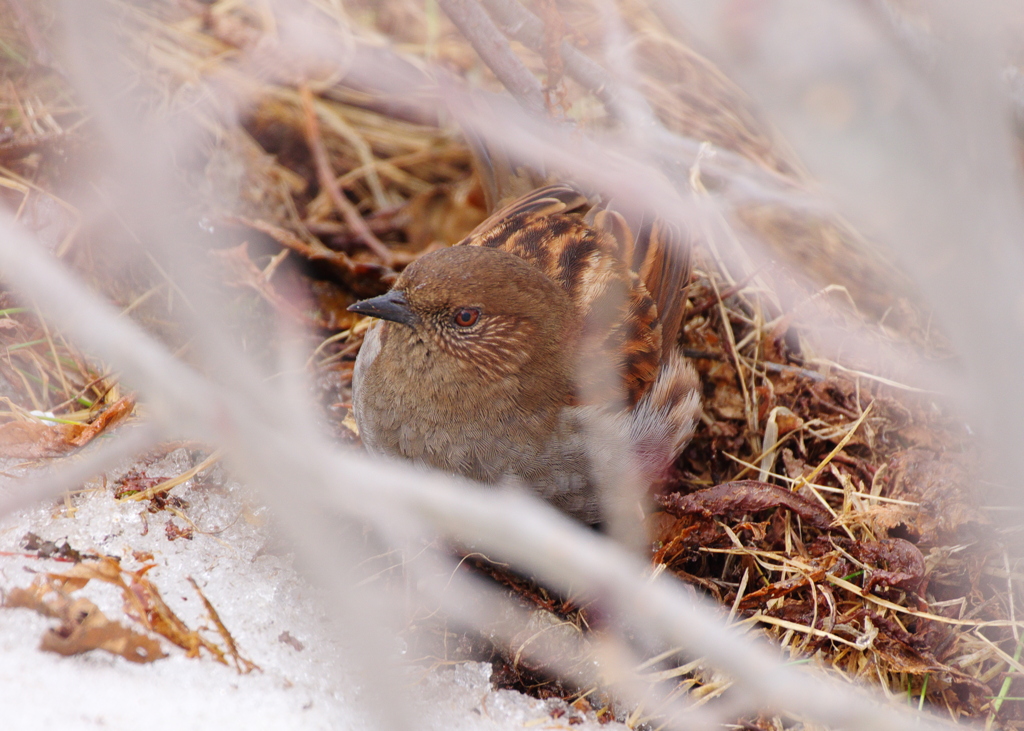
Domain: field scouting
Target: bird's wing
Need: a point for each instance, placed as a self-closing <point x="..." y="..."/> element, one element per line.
<point x="661" y="256"/>
<point x="620" y="329"/>
<point x="541" y="202"/>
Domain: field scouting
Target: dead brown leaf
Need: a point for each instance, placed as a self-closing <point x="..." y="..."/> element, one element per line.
<point x="941" y="483"/>
<point x="37" y="439"/>
<point x="745" y="496"/>
<point x="83" y="627"/>
<point x="898" y="563"/>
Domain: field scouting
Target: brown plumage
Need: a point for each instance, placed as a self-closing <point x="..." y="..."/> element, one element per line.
<point x="492" y="358"/>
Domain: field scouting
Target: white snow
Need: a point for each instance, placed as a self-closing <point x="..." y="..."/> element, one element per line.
<point x="259" y="597"/>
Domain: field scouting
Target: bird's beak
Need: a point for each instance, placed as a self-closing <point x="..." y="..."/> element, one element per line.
<point x="391" y="306"/>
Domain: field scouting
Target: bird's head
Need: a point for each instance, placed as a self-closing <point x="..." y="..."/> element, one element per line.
<point x="483" y="308"/>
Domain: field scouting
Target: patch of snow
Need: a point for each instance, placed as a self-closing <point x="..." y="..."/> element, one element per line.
<point x="270" y="610"/>
<point x="461" y="698"/>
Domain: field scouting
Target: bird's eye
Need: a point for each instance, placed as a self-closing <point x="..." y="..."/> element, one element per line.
<point x="467" y="316"/>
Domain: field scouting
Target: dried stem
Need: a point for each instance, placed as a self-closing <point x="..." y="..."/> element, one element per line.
<point x="478" y="28"/>
<point x="329" y="181"/>
<point x="528" y="29"/>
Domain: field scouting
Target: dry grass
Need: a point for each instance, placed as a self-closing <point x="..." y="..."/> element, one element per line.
<point x="910" y="583"/>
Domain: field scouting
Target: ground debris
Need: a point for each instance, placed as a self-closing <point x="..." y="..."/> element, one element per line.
<point x="744" y="496"/>
<point x="940" y="482"/>
<point x="882" y="561"/>
<point x="52" y="550"/>
<point x="35" y="438"/>
<point x="84" y="627"/>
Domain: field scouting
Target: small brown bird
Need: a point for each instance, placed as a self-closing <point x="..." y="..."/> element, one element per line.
<point x="518" y="353"/>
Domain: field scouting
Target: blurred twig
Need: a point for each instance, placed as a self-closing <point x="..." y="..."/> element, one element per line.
<point x="528" y="29"/>
<point x="478" y="28"/>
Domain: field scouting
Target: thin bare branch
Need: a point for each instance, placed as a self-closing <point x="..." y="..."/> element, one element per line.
<point x="528" y="29"/>
<point x="478" y="28"/>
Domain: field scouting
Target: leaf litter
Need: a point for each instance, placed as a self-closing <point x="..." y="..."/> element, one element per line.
<point x="825" y="502"/>
<point x="83" y="627"/>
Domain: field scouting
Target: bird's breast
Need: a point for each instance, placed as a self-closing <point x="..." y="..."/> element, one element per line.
<point x="411" y="402"/>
